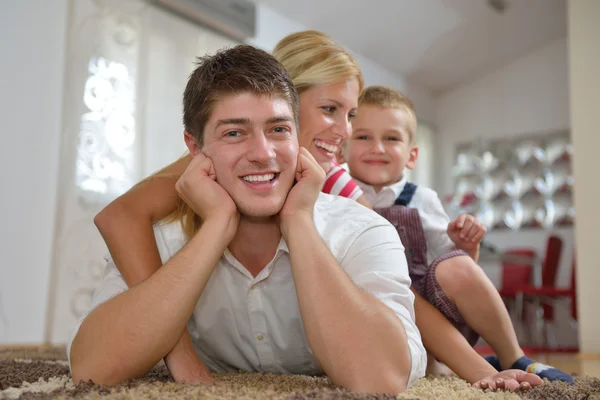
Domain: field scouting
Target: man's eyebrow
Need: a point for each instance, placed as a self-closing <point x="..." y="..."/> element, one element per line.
<point x="233" y="121"/>
<point x="279" y="118"/>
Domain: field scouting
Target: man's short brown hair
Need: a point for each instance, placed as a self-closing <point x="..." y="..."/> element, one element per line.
<point x="386" y="97"/>
<point x="241" y="69"/>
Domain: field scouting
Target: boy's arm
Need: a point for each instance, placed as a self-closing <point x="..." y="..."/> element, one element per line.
<point x="126" y="226"/>
<point x="435" y="226"/>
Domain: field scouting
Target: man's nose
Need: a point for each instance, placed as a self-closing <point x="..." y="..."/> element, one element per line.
<point x="261" y="149"/>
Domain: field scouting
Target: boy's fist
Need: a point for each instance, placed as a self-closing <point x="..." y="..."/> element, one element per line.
<point x="466" y="232"/>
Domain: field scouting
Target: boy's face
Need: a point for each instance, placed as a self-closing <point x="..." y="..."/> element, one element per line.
<point x="253" y="145"/>
<point x="380" y="146"/>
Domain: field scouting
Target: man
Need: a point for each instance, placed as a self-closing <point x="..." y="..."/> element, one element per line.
<point x="278" y="277"/>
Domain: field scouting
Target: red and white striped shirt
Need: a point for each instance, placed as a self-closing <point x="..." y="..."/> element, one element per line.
<point x="339" y="182"/>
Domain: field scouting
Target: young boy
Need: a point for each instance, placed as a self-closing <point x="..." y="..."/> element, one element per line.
<point x="442" y="254"/>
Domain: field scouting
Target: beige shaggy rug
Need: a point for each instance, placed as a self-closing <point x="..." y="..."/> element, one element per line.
<point x="43" y="373"/>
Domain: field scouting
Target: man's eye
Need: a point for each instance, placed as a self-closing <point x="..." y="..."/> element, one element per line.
<point x="233" y="134"/>
<point x="281" y="129"/>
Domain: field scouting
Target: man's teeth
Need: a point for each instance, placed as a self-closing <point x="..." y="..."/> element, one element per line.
<point x="259" y="178"/>
<point x="329" y="147"/>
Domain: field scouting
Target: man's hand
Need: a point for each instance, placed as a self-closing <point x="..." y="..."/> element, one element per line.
<point x="510" y="379"/>
<point x="197" y="186"/>
<point x="466" y="232"/>
<point x="303" y="195"/>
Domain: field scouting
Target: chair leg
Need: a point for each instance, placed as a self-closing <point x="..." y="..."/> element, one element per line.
<point x="540" y="341"/>
<point x="519" y="306"/>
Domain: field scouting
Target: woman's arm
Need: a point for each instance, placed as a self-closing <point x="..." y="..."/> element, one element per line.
<point x="447" y="344"/>
<point x="126" y="226"/>
<point x="363" y="200"/>
<point x="126" y="223"/>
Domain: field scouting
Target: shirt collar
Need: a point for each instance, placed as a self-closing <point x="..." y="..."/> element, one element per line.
<point x="372" y="196"/>
<point x="231" y="260"/>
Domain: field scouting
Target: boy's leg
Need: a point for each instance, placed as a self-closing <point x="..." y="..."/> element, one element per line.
<point x="466" y="285"/>
<point x="462" y="282"/>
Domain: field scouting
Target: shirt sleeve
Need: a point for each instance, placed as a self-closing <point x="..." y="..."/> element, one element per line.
<point x="377" y="264"/>
<point x="338" y="182"/>
<point x="435" y="223"/>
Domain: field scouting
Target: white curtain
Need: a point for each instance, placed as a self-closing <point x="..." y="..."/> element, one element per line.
<point x="128" y="63"/>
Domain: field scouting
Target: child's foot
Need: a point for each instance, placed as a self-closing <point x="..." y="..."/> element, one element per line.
<point x="527" y="364"/>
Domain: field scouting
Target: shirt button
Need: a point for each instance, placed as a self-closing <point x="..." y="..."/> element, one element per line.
<point x="260" y="337"/>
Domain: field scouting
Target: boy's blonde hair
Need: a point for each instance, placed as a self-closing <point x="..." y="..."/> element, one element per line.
<point x="386" y="97"/>
<point x="312" y="58"/>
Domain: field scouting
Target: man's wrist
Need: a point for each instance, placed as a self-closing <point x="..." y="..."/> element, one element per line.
<point x="224" y="226"/>
<point x="297" y="221"/>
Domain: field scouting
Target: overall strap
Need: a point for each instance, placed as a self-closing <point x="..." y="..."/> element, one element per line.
<point x="407" y="194"/>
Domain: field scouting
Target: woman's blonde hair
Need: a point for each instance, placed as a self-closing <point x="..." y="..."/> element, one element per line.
<point x="311" y="58"/>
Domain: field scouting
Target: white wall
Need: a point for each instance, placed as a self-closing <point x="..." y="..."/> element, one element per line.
<point x="273" y="27"/>
<point x="32" y="39"/>
<point x="584" y="59"/>
<point x="527" y="96"/>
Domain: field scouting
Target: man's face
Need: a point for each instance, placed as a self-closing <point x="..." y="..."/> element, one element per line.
<point x="253" y="143"/>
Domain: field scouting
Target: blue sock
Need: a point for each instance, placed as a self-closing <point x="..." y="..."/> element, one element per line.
<point x="493" y="360"/>
<point x="528" y="365"/>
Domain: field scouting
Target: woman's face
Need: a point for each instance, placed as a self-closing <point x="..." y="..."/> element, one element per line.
<point x="326" y="112"/>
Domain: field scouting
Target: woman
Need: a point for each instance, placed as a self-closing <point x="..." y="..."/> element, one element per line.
<point x="329" y="82"/>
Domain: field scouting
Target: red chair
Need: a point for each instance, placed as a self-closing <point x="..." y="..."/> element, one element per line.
<point x="517" y="269"/>
<point x="539" y="295"/>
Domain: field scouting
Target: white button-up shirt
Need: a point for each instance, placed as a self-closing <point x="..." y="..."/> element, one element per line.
<point x="426" y="201"/>
<point x="251" y="323"/>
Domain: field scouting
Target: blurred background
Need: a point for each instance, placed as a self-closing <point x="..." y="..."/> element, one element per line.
<point x="506" y="93"/>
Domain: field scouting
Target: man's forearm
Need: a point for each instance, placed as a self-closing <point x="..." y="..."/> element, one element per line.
<point x="353" y="335"/>
<point x="122" y="229"/>
<point x="126" y="336"/>
<point x="447" y="344"/>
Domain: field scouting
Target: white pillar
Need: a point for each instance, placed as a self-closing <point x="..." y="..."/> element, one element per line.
<point x="584" y="71"/>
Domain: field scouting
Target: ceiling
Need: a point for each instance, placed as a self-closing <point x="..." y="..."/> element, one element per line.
<point x="437" y="44"/>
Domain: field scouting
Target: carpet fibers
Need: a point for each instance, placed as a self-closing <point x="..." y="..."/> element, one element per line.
<point x="43" y="373"/>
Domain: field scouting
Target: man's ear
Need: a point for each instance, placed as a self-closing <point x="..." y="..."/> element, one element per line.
<point x="191" y="143"/>
<point x="412" y="157"/>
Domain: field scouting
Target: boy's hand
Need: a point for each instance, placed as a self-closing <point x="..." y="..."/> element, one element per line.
<point x="510" y="379"/>
<point x="466" y="232"/>
<point x="303" y="195"/>
<point x="197" y="186"/>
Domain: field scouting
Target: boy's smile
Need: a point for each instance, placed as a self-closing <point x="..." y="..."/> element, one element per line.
<point x="380" y="147"/>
